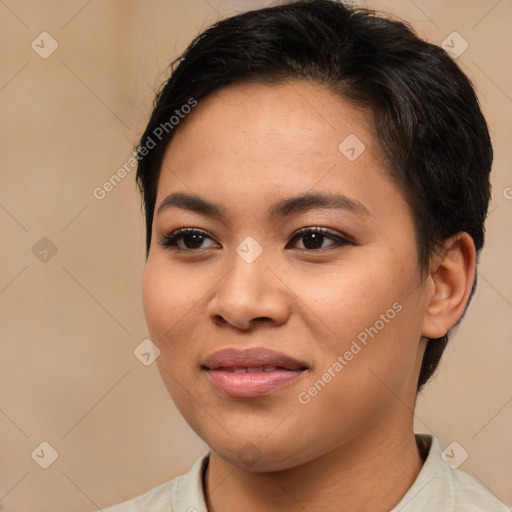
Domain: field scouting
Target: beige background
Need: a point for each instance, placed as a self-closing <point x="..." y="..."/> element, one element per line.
<point x="68" y="375"/>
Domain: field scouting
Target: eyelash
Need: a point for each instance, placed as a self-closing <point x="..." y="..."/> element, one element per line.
<point x="170" y="241"/>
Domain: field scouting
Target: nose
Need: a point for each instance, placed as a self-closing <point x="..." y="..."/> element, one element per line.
<point x="250" y="293"/>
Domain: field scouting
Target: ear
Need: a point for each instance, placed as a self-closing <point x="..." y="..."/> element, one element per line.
<point x="449" y="284"/>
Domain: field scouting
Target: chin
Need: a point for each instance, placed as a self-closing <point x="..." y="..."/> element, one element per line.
<point x="261" y="454"/>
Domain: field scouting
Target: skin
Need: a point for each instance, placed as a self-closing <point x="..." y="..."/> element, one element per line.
<point x="244" y="148"/>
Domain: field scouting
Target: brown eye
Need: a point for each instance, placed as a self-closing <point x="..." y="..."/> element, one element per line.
<point x="314" y="239"/>
<point x="186" y="239"/>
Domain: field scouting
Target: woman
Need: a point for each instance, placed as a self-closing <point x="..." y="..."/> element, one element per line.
<point x="315" y="181"/>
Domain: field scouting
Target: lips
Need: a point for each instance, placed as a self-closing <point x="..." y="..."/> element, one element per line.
<point x="251" y="359"/>
<point x="252" y="372"/>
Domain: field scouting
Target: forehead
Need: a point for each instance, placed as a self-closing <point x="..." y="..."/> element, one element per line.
<point x="299" y="113"/>
<point x="269" y="141"/>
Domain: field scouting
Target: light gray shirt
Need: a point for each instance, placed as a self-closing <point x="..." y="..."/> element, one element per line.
<point x="437" y="488"/>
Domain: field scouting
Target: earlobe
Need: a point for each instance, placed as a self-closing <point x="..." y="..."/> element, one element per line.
<point x="449" y="285"/>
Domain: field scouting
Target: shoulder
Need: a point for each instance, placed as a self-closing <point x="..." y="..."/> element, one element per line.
<point x="185" y="490"/>
<point x="156" y="499"/>
<point x="441" y="488"/>
<point x="464" y="490"/>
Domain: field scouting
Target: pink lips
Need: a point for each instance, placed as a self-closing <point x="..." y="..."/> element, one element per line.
<point x="252" y="372"/>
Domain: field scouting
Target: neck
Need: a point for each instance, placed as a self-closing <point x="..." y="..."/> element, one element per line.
<point x="370" y="473"/>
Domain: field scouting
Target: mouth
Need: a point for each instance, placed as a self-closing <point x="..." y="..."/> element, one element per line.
<point x="252" y="369"/>
<point x="251" y="373"/>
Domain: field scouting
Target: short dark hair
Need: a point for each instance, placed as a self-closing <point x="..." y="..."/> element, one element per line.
<point x="429" y="124"/>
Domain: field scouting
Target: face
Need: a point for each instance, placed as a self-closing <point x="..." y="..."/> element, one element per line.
<point x="282" y="285"/>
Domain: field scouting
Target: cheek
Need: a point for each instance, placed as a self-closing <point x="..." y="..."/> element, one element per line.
<point x="167" y="299"/>
<point x="155" y="298"/>
<point x="168" y="302"/>
<point x="370" y="315"/>
<point x="168" y="294"/>
<point x="349" y="298"/>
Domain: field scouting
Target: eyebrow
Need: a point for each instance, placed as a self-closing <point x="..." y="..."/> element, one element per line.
<point x="281" y="209"/>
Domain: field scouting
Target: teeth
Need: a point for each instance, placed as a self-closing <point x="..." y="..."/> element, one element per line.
<point x="255" y="369"/>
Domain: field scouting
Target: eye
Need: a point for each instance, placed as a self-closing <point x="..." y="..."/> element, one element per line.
<point x="191" y="239"/>
<point x="186" y="239"/>
<point x="313" y="238"/>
